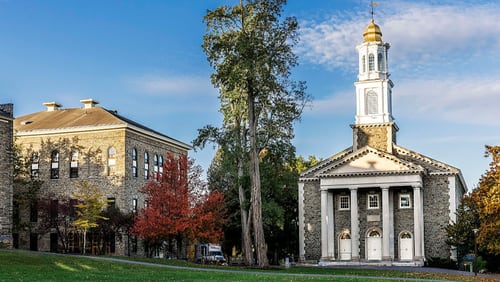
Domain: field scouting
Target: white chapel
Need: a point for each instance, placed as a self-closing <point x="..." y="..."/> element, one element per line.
<point x="376" y="202"/>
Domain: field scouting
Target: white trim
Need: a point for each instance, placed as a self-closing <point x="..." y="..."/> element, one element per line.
<point x="348" y="203"/>
<point x="401" y="195"/>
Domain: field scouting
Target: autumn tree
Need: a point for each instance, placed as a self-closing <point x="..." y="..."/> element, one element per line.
<point x="89" y="209"/>
<point x="487" y="198"/>
<point x="179" y="206"/>
<point x="250" y="49"/>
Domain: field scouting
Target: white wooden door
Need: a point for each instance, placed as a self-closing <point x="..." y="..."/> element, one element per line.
<point x="406" y="247"/>
<point x="345" y="249"/>
<point x="374" y="246"/>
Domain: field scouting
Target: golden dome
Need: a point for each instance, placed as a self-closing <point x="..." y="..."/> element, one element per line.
<point x="372" y="33"/>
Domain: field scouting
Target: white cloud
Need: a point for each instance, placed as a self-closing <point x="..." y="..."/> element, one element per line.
<point x="338" y="103"/>
<point x="173" y="85"/>
<point x="444" y="57"/>
<point x="473" y="101"/>
<point x="423" y="33"/>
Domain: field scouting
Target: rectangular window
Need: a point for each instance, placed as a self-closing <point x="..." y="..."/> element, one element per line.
<point x="34" y="165"/>
<point x="54" y="165"/>
<point x="134" y="205"/>
<point x="373" y="201"/>
<point x="73" y="166"/>
<point x="404" y="201"/>
<point x="33" y="211"/>
<point x="111" y="203"/>
<point x="344" y="203"/>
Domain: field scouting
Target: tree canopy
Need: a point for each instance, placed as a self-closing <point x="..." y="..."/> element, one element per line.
<point x="178" y="206"/>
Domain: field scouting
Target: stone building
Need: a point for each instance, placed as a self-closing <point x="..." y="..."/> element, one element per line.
<point x="92" y="144"/>
<point x="376" y="202"/>
<point x="6" y="174"/>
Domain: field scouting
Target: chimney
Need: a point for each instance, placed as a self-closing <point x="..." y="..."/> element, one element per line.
<point x="89" y="103"/>
<point x="52" y="106"/>
<point x="7" y="109"/>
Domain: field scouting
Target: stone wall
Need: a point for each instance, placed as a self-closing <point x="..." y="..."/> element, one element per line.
<point x="312" y="224"/>
<point x="117" y="183"/>
<point x="436" y="216"/>
<point x="6" y="175"/>
<point x="379" y="136"/>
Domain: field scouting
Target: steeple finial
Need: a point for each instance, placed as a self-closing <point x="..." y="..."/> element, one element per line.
<point x="373" y="5"/>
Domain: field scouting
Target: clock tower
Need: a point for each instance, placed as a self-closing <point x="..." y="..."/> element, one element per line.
<point x="374" y="125"/>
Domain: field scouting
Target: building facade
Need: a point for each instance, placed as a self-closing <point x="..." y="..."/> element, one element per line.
<point x="376" y="202"/>
<point x="6" y="174"/>
<point x="92" y="144"/>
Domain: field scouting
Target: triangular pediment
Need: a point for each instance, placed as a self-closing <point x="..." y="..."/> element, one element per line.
<point x="368" y="161"/>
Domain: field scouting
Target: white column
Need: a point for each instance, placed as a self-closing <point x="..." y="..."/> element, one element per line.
<point x="301" y="223"/>
<point x="331" y="222"/>
<point x="385" y="224"/>
<point x="324" y="224"/>
<point x="417" y="220"/>
<point x="354" y="224"/>
<point x="391" y="227"/>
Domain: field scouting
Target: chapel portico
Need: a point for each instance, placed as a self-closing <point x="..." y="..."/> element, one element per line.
<point x="364" y="207"/>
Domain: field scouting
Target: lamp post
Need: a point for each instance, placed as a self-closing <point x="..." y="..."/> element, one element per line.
<point x="474" y="265"/>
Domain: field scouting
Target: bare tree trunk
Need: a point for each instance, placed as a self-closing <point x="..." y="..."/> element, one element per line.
<point x="255" y="199"/>
<point x="246" y="243"/>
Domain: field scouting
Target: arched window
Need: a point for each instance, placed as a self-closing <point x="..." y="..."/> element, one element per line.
<point x="161" y="165"/>
<point x="371" y="62"/>
<point x="371" y="107"/>
<point x="73" y="165"/>
<point x="134" y="162"/>
<point x="54" y="165"/>
<point x="374" y="234"/>
<point x="406" y="235"/>
<point x="35" y="159"/>
<point x="155" y="166"/>
<point x="111" y="161"/>
<point x="345" y="235"/>
<point x="146" y="165"/>
<point x="380" y="62"/>
<point x="363" y="62"/>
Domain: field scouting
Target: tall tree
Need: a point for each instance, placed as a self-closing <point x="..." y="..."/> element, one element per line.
<point x="251" y="52"/>
<point x="487" y="198"/>
<point x="89" y="209"/>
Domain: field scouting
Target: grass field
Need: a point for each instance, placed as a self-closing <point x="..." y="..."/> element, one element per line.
<point x="16" y="265"/>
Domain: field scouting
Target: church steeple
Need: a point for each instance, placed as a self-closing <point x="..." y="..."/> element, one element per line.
<point x="374" y="92"/>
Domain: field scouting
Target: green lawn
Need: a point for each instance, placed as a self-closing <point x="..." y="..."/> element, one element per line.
<point x="18" y="265"/>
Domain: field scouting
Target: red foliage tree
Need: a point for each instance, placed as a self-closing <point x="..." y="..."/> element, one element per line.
<point x="178" y="206"/>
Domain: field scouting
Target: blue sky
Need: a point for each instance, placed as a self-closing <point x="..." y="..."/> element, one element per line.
<point x="144" y="59"/>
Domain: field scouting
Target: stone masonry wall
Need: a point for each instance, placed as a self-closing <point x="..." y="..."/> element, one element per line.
<point x="6" y="175"/>
<point x="312" y="221"/>
<point x="117" y="183"/>
<point x="436" y="216"/>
